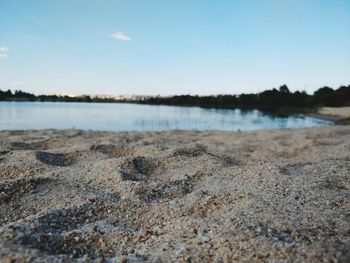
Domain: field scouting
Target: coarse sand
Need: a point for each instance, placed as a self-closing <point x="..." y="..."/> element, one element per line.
<point x="175" y="196"/>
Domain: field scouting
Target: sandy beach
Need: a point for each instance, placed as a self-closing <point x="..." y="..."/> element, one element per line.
<point x="85" y="196"/>
<point x="337" y="112"/>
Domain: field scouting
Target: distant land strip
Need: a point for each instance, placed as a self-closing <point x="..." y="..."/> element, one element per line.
<point x="280" y="101"/>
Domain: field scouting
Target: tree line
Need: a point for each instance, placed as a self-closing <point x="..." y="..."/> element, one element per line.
<point x="19" y="95"/>
<point x="268" y="100"/>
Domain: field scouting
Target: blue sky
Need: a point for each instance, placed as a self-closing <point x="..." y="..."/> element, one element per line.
<point x="173" y="47"/>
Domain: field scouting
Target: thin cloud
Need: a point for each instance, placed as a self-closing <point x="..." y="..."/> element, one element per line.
<point x="4" y="52"/>
<point x="121" y="37"/>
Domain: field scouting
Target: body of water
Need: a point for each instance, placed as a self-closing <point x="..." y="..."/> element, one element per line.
<point x="136" y="117"/>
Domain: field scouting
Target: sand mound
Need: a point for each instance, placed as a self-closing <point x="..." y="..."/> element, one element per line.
<point x="83" y="196"/>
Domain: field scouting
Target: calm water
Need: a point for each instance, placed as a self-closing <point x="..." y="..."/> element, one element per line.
<point x="134" y="117"/>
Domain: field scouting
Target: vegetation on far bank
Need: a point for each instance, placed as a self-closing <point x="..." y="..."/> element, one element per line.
<point x="279" y="101"/>
<point x="269" y="100"/>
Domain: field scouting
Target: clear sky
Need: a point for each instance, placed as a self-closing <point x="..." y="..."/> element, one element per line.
<point x="173" y="46"/>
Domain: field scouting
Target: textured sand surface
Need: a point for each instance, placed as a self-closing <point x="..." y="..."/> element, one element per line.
<point x="83" y="196"/>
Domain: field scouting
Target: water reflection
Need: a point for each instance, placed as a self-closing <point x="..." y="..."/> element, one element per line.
<point x="134" y="117"/>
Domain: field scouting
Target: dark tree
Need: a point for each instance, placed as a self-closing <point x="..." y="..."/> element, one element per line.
<point x="284" y="89"/>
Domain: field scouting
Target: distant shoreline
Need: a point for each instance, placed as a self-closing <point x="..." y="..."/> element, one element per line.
<point x="276" y="101"/>
<point x="323" y="117"/>
<point x="339" y="115"/>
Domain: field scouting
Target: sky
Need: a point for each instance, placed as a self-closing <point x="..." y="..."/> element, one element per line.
<point x="169" y="47"/>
